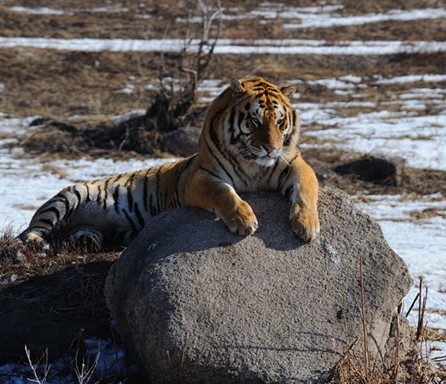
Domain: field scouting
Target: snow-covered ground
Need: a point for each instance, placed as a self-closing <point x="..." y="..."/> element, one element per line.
<point x="26" y="184"/>
<point x="404" y="131"/>
<point x="225" y="46"/>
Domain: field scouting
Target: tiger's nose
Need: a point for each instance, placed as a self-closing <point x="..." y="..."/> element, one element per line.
<point x="269" y="148"/>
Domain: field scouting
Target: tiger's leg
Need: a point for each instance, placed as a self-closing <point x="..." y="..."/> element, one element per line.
<point x="218" y="196"/>
<point x="97" y="209"/>
<point x="51" y="216"/>
<point x="302" y="187"/>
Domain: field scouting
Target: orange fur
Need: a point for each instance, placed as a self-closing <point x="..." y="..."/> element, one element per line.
<point x="248" y="143"/>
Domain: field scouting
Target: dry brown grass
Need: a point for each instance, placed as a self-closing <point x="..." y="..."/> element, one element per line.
<point x="362" y="367"/>
<point x="26" y="261"/>
<point x="64" y="84"/>
<point x="86" y="84"/>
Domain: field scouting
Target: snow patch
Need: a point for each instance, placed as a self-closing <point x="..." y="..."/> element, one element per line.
<point x="226" y="46"/>
<point x="319" y="20"/>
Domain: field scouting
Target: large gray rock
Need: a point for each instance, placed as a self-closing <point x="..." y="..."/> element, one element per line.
<point x="197" y="304"/>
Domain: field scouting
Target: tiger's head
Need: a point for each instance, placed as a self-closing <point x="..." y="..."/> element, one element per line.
<point x="261" y="123"/>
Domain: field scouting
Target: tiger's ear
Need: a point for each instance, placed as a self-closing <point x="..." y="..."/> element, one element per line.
<point x="288" y="91"/>
<point x="237" y="88"/>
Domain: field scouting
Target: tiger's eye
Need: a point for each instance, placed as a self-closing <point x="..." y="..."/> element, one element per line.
<point x="255" y="122"/>
<point x="280" y="122"/>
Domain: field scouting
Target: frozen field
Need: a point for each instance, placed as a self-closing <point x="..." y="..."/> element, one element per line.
<point x="27" y="183"/>
<point x="407" y="122"/>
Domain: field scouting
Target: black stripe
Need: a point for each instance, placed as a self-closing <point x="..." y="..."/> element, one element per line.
<point x="98" y="198"/>
<point x="176" y="201"/>
<point x="210" y="172"/>
<point x="139" y="216"/>
<point x="293" y="118"/>
<point x="52" y="209"/>
<point x="69" y="213"/>
<point x="77" y="193"/>
<point x="62" y="197"/>
<point x="273" y="171"/>
<point x="285" y="172"/>
<point x="236" y="131"/>
<point x="238" y="170"/>
<point x="144" y="193"/>
<point x="116" y="199"/>
<point x="234" y="164"/>
<point x="189" y="161"/>
<point x="182" y="173"/>
<point x="67" y="204"/>
<point x="232" y="118"/>
<point x="129" y="192"/>
<point x="47" y="222"/>
<point x="158" y="174"/>
<point x="152" y="208"/>
<point x="129" y="219"/>
<point x="221" y="165"/>
<point x="106" y="192"/>
<point x="236" y="138"/>
<point x="88" y="192"/>
<point x="217" y="145"/>
<point x="241" y="116"/>
<point x="288" y="191"/>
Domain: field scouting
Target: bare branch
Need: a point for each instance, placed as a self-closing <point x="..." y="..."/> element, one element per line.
<point x="180" y="74"/>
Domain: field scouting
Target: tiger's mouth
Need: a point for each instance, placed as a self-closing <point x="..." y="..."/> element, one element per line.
<point x="260" y="156"/>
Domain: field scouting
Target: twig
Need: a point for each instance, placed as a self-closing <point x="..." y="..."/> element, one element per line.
<point x="33" y="367"/>
<point x="338" y="360"/>
<point x="358" y="372"/>
<point x="397" y="351"/>
<point x="84" y="374"/>
<point x="345" y="324"/>
<point x="413" y="303"/>
<point x="421" y="310"/>
<point x="342" y="360"/>
<point x="383" y="375"/>
<point x="375" y="364"/>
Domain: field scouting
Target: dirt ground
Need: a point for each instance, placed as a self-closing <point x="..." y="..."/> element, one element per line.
<point x="55" y="294"/>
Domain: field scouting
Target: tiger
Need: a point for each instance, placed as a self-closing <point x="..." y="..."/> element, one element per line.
<point x="248" y="143"/>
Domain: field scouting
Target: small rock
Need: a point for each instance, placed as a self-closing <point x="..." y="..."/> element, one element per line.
<point x="374" y="169"/>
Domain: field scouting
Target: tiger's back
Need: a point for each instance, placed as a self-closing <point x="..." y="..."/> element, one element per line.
<point x="113" y="209"/>
<point x="248" y="142"/>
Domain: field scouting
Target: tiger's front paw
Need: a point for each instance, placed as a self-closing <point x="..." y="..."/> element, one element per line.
<point x="242" y="221"/>
<point x="305" y="223"/>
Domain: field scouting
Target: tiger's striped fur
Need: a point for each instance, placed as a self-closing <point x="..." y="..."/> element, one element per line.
<point x="248" y="143"/>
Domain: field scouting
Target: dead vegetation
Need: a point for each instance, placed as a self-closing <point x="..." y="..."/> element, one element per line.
<point x="355" y="366"/>
<point x="63" y="289"/>
<point x="78" y="93"/>
<point x="48" y="296"/>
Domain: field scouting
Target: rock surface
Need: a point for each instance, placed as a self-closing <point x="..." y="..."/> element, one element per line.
<point x="197" y="304"/>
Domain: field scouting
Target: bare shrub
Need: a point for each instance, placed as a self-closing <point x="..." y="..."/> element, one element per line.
<point x="180" y="73"/>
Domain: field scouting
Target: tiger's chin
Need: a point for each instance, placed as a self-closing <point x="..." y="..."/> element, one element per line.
<point x="266" y="161"/>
